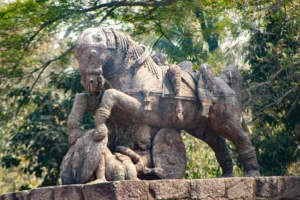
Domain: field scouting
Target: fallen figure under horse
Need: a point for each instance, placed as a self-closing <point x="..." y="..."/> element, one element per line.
<point x="146" y="92"/>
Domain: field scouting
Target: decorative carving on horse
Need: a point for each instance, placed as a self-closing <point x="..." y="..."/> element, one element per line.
<point x="127" y="86"/>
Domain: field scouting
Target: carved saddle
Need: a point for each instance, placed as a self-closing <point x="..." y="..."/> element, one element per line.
<point x="189" y="84"/>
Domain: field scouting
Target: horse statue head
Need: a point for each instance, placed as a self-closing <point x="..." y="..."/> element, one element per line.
<point x="91" y="55"/>
<point x="103" y="52"/>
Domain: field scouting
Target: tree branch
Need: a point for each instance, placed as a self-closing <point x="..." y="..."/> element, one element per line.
<point x="273" y="77"/>
<point x="279" y="101"/>
<point x="129" y="4"/>
<point x="162" y="33"/>
<point x="107" y="15"/>
<point x="46" y="64"/>
<point x="156" y="42"/>
<point x="44" y="25"/>
<point x="113" y="4"/>
<point x="295" y="102"/>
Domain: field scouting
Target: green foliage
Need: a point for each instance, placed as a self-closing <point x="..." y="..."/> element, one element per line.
<point x="276" y="147"/>
<point x="273" y="83"/>
<point x="201" y="162"/>
<point x="42" y="138"/>
<point x="11" y="179"/>
<point x="185" y="31"/>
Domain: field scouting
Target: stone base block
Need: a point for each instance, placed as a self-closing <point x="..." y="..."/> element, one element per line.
<point x="208" y="189"/>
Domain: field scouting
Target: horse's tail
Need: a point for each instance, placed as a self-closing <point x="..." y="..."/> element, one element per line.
<point x="233" y="77"/>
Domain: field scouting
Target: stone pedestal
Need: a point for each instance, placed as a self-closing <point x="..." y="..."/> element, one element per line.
<point x="220" y="188"/>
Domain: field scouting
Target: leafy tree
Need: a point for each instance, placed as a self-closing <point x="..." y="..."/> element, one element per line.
<point x="38" y="82"/>
<point x="273" y="83"/>
<point x="187" y="31"/>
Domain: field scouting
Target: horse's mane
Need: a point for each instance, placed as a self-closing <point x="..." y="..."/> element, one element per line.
<point x="134" y="51"/>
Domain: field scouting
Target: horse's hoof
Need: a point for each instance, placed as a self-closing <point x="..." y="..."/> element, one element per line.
<point x="252" y="173"/>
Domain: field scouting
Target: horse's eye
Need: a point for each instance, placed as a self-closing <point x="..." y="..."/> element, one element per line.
<point x="93" y="53"/>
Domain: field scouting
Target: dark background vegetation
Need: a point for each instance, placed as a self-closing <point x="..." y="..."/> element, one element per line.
<point x="39" y="77"/>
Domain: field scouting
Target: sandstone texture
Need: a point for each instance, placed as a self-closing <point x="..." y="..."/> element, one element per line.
<point x="129" y="91"/>
<point x="208" y="189"/>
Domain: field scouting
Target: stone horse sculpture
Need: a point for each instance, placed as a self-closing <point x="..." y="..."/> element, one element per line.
<point x="142" y="91"/>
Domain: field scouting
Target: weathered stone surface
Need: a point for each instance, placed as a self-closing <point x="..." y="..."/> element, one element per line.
<point x="132" y="190"/>
<point x="169" y="154"/>
<point x="99" y="191"/>
<point x="278" y="187"/>
<point x="22" y="195"/>
<point x="208" y="189"/>
<point x="71" y="192"/>
<point x="41" y="193"/>
<point x="82" y="159"/>
<point x="240" y="188"/>
<point x="261" y="188"/>
<point x="170" y="189"/>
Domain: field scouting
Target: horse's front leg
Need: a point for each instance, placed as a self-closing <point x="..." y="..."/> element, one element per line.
<point x="111" y="98"/>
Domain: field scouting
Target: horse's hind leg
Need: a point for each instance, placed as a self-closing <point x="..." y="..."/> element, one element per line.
<point x="224" y="118"/>
<point x="218" y="145"/>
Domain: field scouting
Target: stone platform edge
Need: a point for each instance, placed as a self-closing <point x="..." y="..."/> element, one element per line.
<point x="283" y="187"/>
